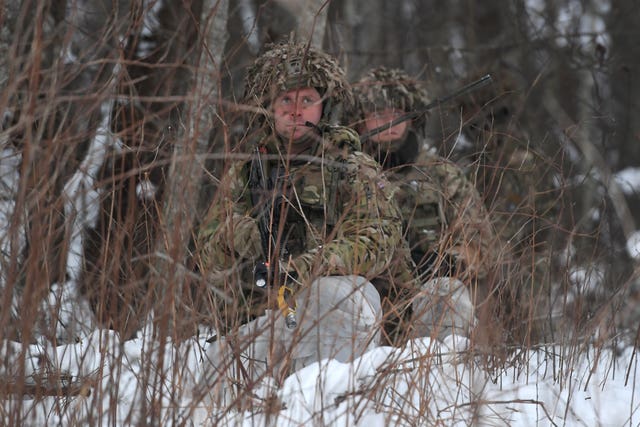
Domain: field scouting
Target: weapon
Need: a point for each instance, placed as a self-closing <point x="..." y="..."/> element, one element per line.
<point x="266" y="272"/>
<point x="481" y="82"/>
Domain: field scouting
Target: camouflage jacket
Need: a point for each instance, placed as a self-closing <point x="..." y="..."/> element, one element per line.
<point x="443" y="213"/>
<point x="338" y="212"/>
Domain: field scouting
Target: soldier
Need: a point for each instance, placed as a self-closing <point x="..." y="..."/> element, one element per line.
<point x="331" y="220"/>
<point x="516" y="179"/>
<point x="445" y="223"/>
<point x="515" y="173"/>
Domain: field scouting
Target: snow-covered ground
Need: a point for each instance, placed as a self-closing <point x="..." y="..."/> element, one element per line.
<point x="425" y="383"/>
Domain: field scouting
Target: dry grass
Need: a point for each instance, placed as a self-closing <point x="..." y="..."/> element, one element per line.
<point x="54" y="114"/>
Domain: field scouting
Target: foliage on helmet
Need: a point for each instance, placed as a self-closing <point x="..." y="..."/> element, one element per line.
<point x="383" y="88"/>
<point x="289" y="65"/>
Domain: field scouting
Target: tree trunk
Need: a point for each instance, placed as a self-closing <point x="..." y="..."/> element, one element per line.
<point x="187" y="163"/>
<point x="311" y="19"/>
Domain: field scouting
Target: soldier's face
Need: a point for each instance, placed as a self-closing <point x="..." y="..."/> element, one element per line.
<point x="376" y="119"/>
<point x="292" y="109"/>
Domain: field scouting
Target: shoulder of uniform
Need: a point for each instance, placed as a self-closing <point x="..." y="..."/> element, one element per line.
<point x="363" y="158"/>
<point x="438" y="164"/>
<point x="366" y="167"/>
<point x="342" y="137"/>
<point x="236" y="167"/>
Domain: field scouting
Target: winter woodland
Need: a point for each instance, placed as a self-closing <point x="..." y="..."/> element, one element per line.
<point x="110" y="110"/>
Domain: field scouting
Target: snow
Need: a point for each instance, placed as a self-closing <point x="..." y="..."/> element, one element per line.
<point x="573" y="22"/>
<point x="424" y="383"/>
<point x="151" y="22"/>
<point x="146" y="190"/>
<point x="628" y="179"/>
<point x="588" y="280"/>
<point x="633" y="245"/>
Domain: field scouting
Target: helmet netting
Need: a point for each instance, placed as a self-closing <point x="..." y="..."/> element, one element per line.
<point x="287" y="66"/>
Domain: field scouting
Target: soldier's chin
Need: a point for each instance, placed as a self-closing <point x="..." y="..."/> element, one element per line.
<point x="388" y="139"/>
<point x="297" y="133"/>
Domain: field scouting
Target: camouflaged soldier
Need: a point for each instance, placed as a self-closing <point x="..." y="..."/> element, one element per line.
<point x="516" y="179"/>
<point x="330" y="212"/>
<point x="513" y="175"/>
<point x="445" y="223"/>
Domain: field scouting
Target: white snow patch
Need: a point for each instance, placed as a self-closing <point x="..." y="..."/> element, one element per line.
<point x="633" y="245"/>
<point x="146" y="190"/>
<point x="587" y="280"/>
<point x="628" y="179"/>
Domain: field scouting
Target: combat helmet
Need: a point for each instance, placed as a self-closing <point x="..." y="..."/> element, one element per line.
<point x="383" y="88"/>
<point x="288" y="65"/>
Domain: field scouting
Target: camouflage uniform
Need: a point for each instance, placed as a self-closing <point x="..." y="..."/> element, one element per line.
<point x="514" y="176"/>
<point x="445" y="223"/>
<point x="335" y="215"/>
<point x="507" y="168"/>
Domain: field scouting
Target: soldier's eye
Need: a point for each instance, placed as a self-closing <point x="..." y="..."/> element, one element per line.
<point x="312" y="100"/>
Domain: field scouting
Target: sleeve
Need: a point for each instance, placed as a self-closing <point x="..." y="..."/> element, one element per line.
<point x="369" y="230"/>
<point x="469" y="236"/>
<point x="228" y="235"/>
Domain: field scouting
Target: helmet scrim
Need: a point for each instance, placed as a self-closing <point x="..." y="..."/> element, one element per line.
<point x="287" y="66"/>
<point x="383" y="88"/>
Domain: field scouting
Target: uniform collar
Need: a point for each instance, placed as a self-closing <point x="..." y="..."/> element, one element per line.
<point x="274" y="144"/>
<point x="403" y="156"/>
